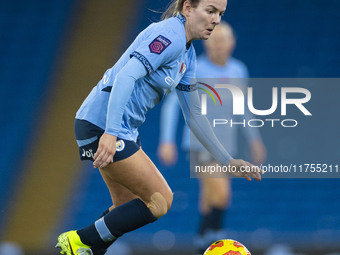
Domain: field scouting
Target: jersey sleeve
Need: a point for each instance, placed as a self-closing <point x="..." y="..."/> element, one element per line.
<point x="120" y="94"/>
<point x="157" y="47"/>
<point x="199" y="124"/>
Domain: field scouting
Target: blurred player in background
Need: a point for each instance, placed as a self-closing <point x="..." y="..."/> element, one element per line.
<point x="215" y="193"/>
<point x="160" y="59"/>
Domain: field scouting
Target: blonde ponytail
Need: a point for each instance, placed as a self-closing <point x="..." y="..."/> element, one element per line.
<point x="175" y="7"/>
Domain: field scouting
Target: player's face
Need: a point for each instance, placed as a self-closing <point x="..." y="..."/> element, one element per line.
<point x="221" y="44"/>
<point x="204" y="17"/>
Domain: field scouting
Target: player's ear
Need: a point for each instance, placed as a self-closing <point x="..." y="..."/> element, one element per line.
<point x="186" y="8"/>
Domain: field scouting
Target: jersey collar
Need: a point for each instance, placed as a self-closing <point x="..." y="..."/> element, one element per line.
<point x="181" y="17"/>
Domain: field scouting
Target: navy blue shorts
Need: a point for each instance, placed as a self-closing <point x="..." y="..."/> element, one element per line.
<point x="88" y="136"/>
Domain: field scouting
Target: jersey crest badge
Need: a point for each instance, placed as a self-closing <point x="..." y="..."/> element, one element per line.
<point x="159" y="44"/>
<point x="120" y="145"/>
<point x="183" y="68"/>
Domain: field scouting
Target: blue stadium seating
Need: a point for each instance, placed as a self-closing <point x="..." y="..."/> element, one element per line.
<point x="29" y="41"/>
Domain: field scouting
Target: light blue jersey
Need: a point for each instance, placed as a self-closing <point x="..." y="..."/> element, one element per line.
<point x="158" y="61"/>
<point x="170" y="110"/>
<point x="163" y="50"/>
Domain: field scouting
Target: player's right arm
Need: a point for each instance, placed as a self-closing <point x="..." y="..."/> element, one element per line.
<point x="120" y="94"/>
<point x="145" y="60"/>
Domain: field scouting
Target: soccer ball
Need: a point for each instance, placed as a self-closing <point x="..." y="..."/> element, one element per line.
<point x="227" y="247"/>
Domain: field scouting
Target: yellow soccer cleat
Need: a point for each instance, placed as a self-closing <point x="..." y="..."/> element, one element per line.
<point x="70" y="244"/>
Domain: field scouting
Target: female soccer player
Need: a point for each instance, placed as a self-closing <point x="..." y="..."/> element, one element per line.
<point x="160" y="59"/>
<point x="215" y="193"/>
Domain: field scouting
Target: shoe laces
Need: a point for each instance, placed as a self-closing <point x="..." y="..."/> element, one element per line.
<point x="84" y="251"/>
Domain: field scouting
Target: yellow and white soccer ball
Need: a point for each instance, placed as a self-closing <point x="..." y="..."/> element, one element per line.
<point x="227" y="247"/>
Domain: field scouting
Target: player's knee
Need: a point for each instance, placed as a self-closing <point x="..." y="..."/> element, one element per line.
<point x="159" y="205"/>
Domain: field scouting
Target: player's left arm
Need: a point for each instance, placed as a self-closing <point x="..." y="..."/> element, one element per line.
<point x="190" y="103"/>
<point x="200" y="126"/>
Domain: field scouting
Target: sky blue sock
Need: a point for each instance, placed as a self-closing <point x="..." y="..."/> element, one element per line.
<point x="101" y="249"/>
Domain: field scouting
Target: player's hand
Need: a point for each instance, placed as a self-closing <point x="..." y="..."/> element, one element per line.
<point x="167" y="153"/>
<point x="245" y="169"/>
<point x="105" y="152"/>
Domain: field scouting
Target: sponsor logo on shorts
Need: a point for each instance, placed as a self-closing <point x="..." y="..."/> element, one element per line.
<point x="120" y="145"/>
<point x="88" y="154"/>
